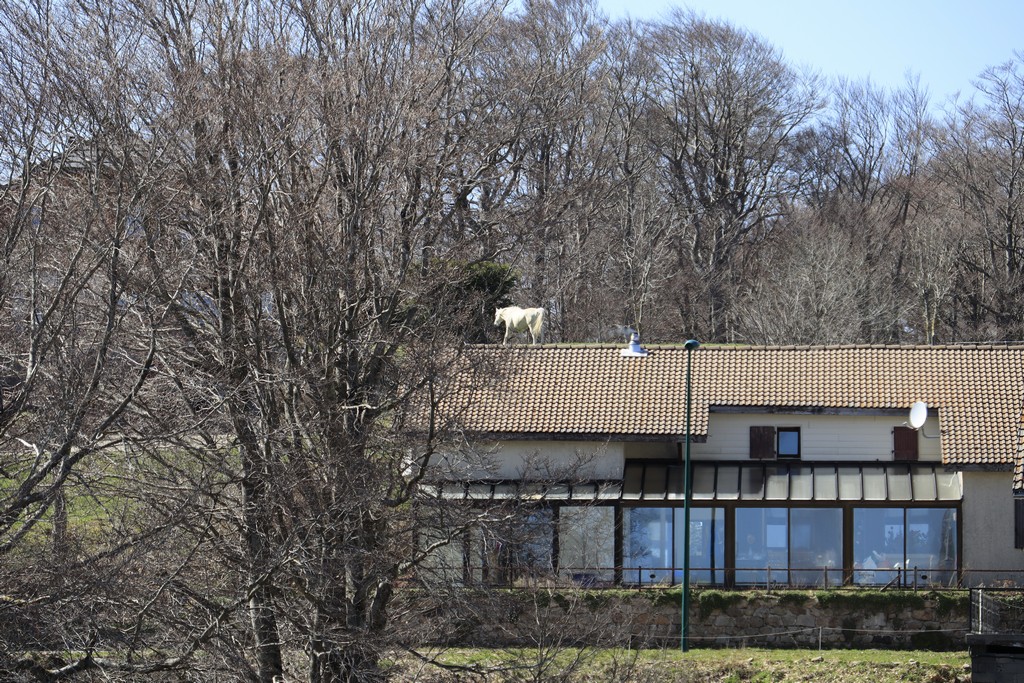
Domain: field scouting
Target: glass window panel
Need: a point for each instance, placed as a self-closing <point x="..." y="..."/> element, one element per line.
<point x="555" y="491"/>
<point x="675" y="482"/>
<point x="707" y="544"/>
<point x="533" y="491"/>
<point x="816" y="546"/>
<point x="443" y="564"/>
<point x="728" y="483"/>
<point x="531" y="540"/>
<point x="762" y="540"/>
<point x="586" y="544"/>
<point x="874" y="483"/>
<point x="654" y="481"/>
<point x="703" y="482"/>
<point x="584" y="491"/>
<point x="948" y="485"/>
<point x="752" y="483"/>
<point x="923" y="479"/>
<point x="504" y="491"/>
<point x="514" y="551"/>
<point x="825" y="485"/>
<point x="480" y="491"/>
<point x="898" y="482"/>
<point x="647" y="545"/>
<point x="877" y="544"/>
<point x="477" y="541"/>
<point x="789" y="442"/>
<point x="850" y="483"/>
<point x="777" y="487"/>
<point x="801" y="483"/>
<point x="931" y="546"/>
<point x="632" y="481"/>
<point x="454" y="491"/>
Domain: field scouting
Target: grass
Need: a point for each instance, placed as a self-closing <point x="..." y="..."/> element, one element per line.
<point x="720" y="666"/>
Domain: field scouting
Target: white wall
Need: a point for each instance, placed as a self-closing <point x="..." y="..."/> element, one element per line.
<point x="988" y="526"/>
<point x="552" y="460"/>
<point x="822" y="437"/>
<point x="657" y="450"/>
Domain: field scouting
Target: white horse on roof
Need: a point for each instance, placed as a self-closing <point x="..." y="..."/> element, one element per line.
<point x="521" y="320"/>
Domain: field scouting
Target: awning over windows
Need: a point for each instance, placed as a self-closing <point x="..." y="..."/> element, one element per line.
<point x="504" y="490"/>
<point x="730" y="481"/>
<point x="785" y="481"/>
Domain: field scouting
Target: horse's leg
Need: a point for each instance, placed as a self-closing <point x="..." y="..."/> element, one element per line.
<point x="508" y="331"/>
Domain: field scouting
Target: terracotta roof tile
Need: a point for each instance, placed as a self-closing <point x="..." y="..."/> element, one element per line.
<point x="594" y="391"/>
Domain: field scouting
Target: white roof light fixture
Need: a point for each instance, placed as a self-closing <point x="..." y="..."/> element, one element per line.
<point x="634" y="350"/>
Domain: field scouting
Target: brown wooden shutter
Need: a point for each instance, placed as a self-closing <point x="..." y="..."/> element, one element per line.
<point x="762" y="443"/>
<point x="1018" y="522"/>
<point x="904" y="443"/>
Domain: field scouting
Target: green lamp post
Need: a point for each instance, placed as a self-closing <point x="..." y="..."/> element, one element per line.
<point x="684" y="644"/>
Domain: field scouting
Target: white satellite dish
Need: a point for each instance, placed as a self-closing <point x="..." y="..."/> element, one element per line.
<point x="918" y="414"/>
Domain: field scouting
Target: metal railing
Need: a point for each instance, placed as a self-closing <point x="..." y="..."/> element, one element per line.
<point x="911" y="578"/>
<point x="997" y="611"/>
<point x="770" y="578"/>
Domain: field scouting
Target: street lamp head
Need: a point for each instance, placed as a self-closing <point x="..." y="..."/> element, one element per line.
<point x="691" y="344"/>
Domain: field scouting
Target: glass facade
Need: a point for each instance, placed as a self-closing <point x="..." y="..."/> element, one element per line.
<point x="443" y="562"/>
<point x="653" y="545"/>
<point x="513" y="550"/>
<point x="877" y="544"/>
<point x="707" y="544"/>
<point x="932" y="544"/>
<point x="751" y="524"/>
<point x="586" y="544"/>
<point x="904" y="545"/>
<point x="647" y="545"/>
<point x="816" y="546"/>
<point x="762" y="545"/>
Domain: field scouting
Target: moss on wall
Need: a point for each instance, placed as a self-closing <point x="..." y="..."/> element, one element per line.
<point x="711" y="600"/>
<point x="847" y="617"/>
<point x="882" y="601"/>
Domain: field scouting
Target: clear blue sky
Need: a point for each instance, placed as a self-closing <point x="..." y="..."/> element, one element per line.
<point x="945" y="42"/>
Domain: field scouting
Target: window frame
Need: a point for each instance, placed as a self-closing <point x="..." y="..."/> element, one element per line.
<point x="779" y="431"/>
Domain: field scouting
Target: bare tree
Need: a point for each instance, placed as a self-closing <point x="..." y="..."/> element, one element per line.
<point x="555" y="176"/>
<point x="813" y="289"/>
<point x="725" y="111"/>
<point x="244" y="301"/>
<point x="981" y="158"/>
<point x="635" y="259"/>
<point x="862" y="172"/>
<point x="306" y="270"/>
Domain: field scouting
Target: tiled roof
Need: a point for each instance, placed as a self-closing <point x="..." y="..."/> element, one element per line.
<point x="595" y="391"/>
<point x="1018" y="470"/>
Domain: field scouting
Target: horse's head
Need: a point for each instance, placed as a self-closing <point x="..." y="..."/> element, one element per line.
<point x="497" y="315"/>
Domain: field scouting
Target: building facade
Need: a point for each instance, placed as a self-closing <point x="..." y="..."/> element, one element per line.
<point x="805" y="469"/>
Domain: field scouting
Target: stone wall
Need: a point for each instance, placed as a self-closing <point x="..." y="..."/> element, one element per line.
<point x="806" y="619"/>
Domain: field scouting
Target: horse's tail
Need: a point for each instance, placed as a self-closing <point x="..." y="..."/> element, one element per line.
<point x="538" y="333"/>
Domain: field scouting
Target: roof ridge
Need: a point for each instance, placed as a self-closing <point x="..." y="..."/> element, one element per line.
<point x="584" y="346"/>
